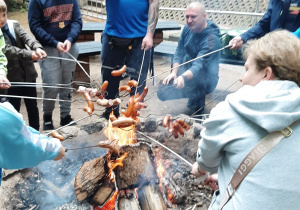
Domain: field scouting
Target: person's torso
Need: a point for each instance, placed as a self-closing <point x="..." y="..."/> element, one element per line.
<point x="57" y="17"/>
<point x="19" y="68"/>
<point x="127" y="18"/>
<point x="285" y="14"/>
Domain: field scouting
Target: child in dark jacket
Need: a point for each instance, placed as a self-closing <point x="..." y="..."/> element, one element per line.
<point x="20" y="66"/>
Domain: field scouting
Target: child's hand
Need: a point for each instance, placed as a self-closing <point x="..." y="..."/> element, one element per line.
<point x="67" y="45"/>
<point x="60" y="47"/>
<point x="41" y="53"/>
<point x="4" y="83"/>
<point x="197" y="171"/>
<point x="61" y="153"/>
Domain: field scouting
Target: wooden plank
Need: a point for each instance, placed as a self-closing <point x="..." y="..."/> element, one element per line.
<point x="89" y="48"/>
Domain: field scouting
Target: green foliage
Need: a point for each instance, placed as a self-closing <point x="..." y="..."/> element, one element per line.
<point x="16" y="5"/>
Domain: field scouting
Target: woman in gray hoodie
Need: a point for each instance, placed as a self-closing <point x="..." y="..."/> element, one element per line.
<point x="269" y="101"/>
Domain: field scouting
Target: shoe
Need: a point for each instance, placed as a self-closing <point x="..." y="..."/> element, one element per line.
<point x="67" y="120"/>
<point x="48" y="124"/>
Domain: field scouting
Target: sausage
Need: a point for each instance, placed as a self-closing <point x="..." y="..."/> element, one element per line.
<point x="179" y="128"/>
<point x="89" y="101"/>
<point x="171" y="125"/>
<point x="133" y="83"/>
<point x="123" y="122"/>
<point x="130" y="107"/>
<point x="57" y="135"/>
<point x="139" y="105"/>
<point x="109" y="145"/>
<point x="104" y="102"/>
<point x="116" y="101"/>
<point x="116" y="73"/>
<point x="166" y="121"/>
<point x="88" y="110"/>
<point x="125" y="87"/>
<point x="175" y="132"/>
<point x="142" y="96"/>
<point x="104" y="86"/>
<point x="183" y="124"/>
<point x="112" y="117"/>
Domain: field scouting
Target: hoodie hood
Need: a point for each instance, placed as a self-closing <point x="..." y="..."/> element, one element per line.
<point x="211" y="28"/>
<point x="271" y="105"/>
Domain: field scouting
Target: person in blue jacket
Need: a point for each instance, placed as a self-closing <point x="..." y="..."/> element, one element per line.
<point x="56" y="25"/>
<point x="200" y="77"/>
<point x="22" y="146"/>
<point x="282" y="14"/>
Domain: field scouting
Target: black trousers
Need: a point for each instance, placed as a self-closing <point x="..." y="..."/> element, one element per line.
<point x="31" y="104"/>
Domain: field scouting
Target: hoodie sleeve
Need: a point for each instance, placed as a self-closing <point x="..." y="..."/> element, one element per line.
<point x="262" y="27"/>
<point x="76" y="24"/>
<point x="179" y="53"/>
<point x="21" y="145"/>
<point x="35" y="16"/>
<point x="3" y="60"/>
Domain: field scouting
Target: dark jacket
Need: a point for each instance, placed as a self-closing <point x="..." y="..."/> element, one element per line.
<point x="54" y="21"/>
<point x="273" y="19"/>
<point x="20" y="66"/>
<point x="191" y="45"/>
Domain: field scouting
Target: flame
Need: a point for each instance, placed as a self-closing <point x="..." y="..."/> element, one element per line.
<point x="110" y="204"/>
<point x="160" y="170"/>
<point x="124" y="136"/>
<point x="112" y="164"/>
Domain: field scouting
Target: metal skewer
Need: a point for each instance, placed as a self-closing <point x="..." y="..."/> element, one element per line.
<point x="28" y="97"/>
<point x="190" y="164"/>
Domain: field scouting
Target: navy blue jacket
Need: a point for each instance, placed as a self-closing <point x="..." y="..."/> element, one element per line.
<point x="273" y="19"/>
<point x="54" y="21"/>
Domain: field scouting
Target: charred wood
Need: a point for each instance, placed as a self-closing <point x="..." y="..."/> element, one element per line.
<point x="104" y="193"/>
<point x="150" y="198"/>
<point x="127" y="201"/>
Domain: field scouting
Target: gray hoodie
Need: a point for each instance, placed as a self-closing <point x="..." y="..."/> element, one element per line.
<point x="234" y="128"/>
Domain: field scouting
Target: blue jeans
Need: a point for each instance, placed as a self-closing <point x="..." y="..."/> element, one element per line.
<point x="115" y="57"/>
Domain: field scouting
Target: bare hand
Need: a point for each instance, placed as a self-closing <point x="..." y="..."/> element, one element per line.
<point x="179" y="82"/>
<point x="38" y="54"/>
<point x="4" y="83"/>
<point x="147" y="42"/>
<point x="60" y="47"/>
<point x="212" y="182"/>
<point x="169" y="78"/>
<point x="197" y="171"/>
<point x="236" y="43"/>
<point x="61" y="153"/>
<point x="67" y="45"/>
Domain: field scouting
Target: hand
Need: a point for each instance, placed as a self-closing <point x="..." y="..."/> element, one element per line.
<point x="60" y="47"/>
<point x="61" y="153"/>
<point x="169" y="78"/>
<point x="4" y="83"/>
<point x="212" y="182"/>
<point x="179" y="82"/>
<point x="67" y="46"/>
<point x="38" y="54"/>
<point x="236" y="43"/>
<point x="197" y="171"/>
<point x="147" y="42"/>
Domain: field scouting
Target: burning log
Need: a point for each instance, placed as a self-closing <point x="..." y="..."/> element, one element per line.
<point x="127" y="201"/>
<point x="89" y="176"/>
<point x="138" y="167"/>
<point x="104" y="193"/>
<point x="150" y="198"/>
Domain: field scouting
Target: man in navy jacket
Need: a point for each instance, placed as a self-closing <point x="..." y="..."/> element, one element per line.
<point x="280" y="14"/>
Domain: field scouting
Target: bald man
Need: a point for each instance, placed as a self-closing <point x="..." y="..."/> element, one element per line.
<point x="200" y="77"/>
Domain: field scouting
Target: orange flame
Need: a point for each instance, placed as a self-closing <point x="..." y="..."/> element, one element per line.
<point x="109" y="205"/>
<point x="112" y="164"/>
<point x="160" y="170"/>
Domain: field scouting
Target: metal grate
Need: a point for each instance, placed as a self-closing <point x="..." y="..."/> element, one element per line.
<point x="226" y="13"/>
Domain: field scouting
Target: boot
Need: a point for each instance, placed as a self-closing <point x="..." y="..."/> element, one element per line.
<point x="48" y="124"/>
<point x="66" y="120"/>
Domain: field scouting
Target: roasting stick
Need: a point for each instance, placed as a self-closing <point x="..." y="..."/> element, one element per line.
<point x="28" y="97"/>
<point x="98" y="83"/>
<point x="190" y="164"/>
<point x="140" y="72"/>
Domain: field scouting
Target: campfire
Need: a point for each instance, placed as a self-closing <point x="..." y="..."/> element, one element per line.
<point x="132" y="174"/>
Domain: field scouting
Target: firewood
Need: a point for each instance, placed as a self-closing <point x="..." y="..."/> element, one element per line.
<point x="150" y="198"/>
<point x="125" y="201"/>
<point x="89" y="176"/>
<point x="104" y="192"/>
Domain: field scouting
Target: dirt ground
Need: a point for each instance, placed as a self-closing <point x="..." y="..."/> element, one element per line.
<point x="228" y="77"/>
